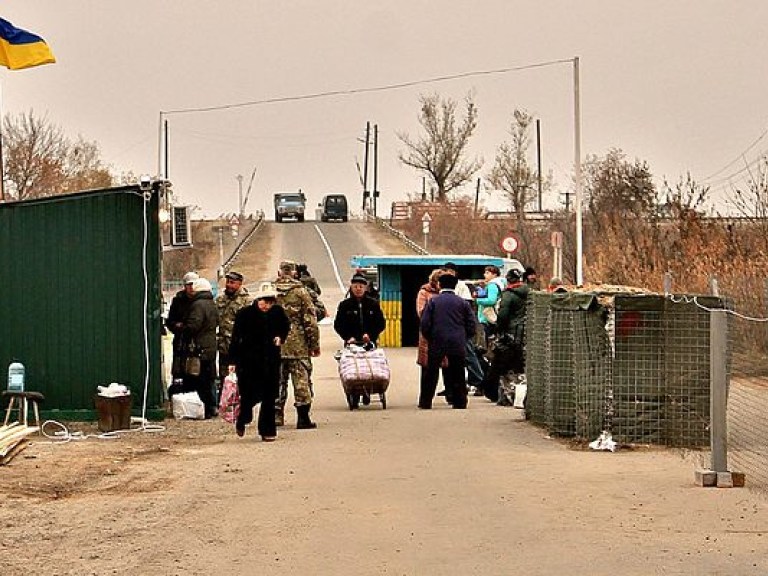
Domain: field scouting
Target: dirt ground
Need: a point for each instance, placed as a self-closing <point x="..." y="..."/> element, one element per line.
<point x="396" y="491"/>
<point x="399" y="491"/>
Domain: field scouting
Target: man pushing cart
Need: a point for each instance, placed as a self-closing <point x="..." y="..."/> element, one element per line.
<point x="359" y="322"/>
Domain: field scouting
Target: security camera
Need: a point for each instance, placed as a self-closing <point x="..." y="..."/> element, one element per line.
<point x="145" y="183"/>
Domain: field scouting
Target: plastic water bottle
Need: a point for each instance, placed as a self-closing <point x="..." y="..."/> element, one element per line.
<point x="16" y="377"/>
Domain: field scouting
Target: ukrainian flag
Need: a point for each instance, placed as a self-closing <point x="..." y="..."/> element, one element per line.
<point x="21" y="49"/>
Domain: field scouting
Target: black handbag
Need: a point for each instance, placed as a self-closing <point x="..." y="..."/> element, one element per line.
<point x="192" y="364"/>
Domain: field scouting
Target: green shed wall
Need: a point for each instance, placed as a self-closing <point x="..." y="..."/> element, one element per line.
<point x="73" y="309"/>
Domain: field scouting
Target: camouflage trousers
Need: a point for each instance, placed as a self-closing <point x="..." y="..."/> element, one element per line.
<point x="299" y="370"/>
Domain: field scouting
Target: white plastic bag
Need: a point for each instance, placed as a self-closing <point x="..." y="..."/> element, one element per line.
<point x="188" y="405"/>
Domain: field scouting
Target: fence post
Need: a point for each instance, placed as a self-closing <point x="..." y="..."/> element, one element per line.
<point x="667" y="282"/>
<point x="713" y="288"/>
<point x="718" y="343"/>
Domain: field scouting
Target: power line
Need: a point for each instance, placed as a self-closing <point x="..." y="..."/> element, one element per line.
<point x="739" y="157"/>
<point x="352" y="91"/>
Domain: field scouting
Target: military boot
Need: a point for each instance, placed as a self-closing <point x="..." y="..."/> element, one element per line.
<point x="279" y="417"/>
<point x="303" y="422"/>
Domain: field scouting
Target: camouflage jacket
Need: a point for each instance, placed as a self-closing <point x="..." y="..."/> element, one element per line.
<point x="310" y="282"/>
<point x="228" y="306"/>
<point x="297" y="303"/>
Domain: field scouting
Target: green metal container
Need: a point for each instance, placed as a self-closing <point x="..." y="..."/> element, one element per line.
<point x="81" y="304"/>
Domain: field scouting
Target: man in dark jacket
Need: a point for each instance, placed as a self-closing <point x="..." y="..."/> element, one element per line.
<point x="200" y="329"/>
<point x="447" y="322"/>
<point x="508" y="354"/>
<point x="359" y="319"/>
<point x="258" y="333"/>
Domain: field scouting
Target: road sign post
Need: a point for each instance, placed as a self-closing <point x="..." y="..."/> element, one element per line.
<point x="425" y="220"/>
<point x="509" y="244"/>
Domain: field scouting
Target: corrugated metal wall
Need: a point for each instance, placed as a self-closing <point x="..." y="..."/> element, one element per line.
<point x="73" y="311"/>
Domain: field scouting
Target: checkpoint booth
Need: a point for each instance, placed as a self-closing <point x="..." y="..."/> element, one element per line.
<point x="399" y="280"/>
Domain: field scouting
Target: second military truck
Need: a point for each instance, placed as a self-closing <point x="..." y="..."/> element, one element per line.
<point x="290" y="205"/>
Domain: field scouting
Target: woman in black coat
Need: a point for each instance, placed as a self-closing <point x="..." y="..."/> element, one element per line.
<point x="200" y="328"/>
<point x="259" y="331"/>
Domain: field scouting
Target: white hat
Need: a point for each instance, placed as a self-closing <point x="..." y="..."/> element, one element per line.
<point x="190" y="277"/>
<point x="201" y="285"/>
<point x="266" y="290"/>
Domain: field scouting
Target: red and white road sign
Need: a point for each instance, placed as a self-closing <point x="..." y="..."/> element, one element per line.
<point x="509" y="244"/>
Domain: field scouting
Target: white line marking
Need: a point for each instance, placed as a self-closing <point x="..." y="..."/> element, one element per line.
<point x="342" y="287"/>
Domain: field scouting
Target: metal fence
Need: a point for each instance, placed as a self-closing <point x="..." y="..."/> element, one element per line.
<point x="747" y="407"/>
<point x="649" y="368"/>
<point x="635" y="365"/>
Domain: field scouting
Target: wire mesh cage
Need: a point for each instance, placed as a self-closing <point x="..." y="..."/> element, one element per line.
<point x="634" y="364"/>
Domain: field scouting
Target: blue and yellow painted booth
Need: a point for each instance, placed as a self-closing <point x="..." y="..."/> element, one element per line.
<point x="399" y="280"/>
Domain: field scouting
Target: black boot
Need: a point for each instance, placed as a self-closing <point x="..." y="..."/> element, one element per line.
<point x="303" y="421"/>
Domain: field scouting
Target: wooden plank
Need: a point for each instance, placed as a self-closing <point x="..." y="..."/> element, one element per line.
<point x="10" y="441"/>
<point x="13" y="452"/>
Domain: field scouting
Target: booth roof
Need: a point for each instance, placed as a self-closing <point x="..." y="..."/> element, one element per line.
<point x="435" y="260"/>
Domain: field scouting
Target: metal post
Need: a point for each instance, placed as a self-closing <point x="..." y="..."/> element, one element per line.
<point x="375" y="166"/>
<point x="239" y="195"/>
<point x="538" y="158"/>
<point x="718" y="352"/>
<point x="477" y="196"/>
<point x="160" y="147"/>
<point x="220" y="230"/>
<point x="713" y="288"/>
<point x="577" y="171"/>
<point x="667" y="282"/>
<point x="365" y="164"/>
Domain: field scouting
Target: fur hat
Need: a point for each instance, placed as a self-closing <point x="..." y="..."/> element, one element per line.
<point x="201" y="285"/>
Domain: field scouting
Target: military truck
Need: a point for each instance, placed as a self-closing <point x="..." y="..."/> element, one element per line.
<point x="290" y="205"/>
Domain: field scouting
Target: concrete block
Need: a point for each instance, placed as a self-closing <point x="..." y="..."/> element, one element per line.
<point x="739" y="479"/>
<point x="724" y="480"/>
<point x="705" y="478"/>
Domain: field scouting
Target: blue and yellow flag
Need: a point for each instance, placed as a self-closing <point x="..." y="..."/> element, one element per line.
<point x="21" y="49"/>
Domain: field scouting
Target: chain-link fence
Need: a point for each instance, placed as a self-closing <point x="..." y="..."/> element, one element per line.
<point x="747" y="413"/>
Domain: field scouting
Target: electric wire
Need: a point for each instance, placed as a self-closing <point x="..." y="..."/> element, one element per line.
<point x="352" y="91"/>
<point x="695" y="301"/>
<point x="739" y="157"/>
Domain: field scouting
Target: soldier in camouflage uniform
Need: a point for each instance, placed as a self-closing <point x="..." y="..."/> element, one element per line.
<point x="228" y="303"/>
<point x="302" y="344"/>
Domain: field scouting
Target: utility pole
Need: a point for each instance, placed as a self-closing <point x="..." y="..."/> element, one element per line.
<point x="477" y="196"/>
<point x="365" y="164"/>
<point x="220" y="230"/>
<point x="538" y="157"/>
<point x="375" y="166"/>
<point x="240" y="196"/>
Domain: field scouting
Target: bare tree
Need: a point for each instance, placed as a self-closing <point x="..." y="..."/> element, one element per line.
<point x="39" y="160"/>
<point x="751" y="199"/>
<point x="511" y="171"/>
<point x="617" y="188"/>
<point x="440" y="151"/>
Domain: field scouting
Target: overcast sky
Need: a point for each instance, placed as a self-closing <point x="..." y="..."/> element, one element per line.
<point x="679" y="84"/>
